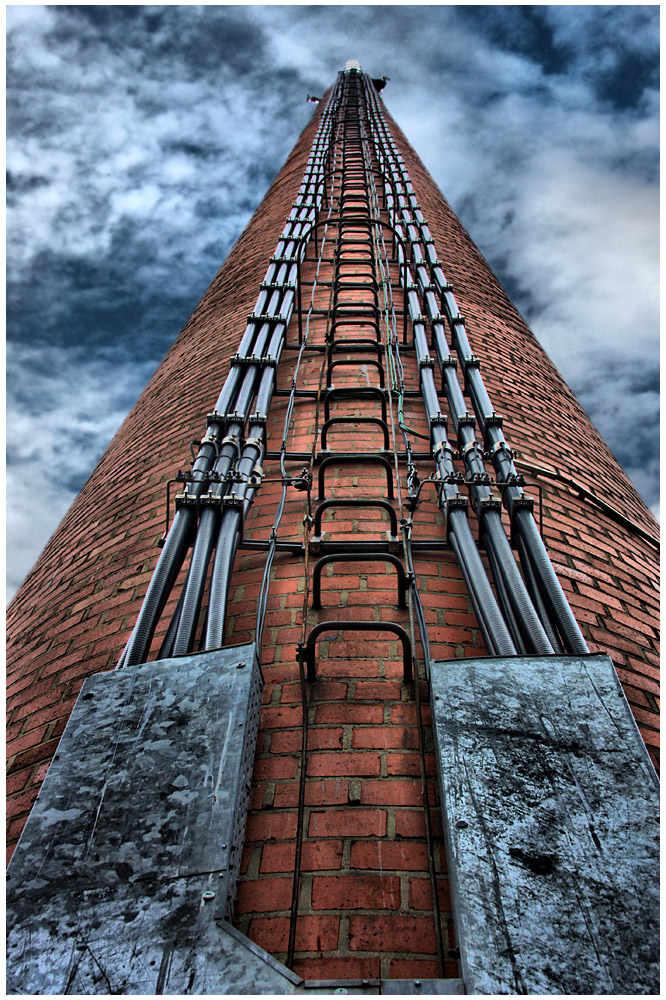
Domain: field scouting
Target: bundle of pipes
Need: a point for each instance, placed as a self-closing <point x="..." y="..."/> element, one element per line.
<point x="207" y="508"/>
<point x="538" y="617"/>
<point x="524" y="614"/>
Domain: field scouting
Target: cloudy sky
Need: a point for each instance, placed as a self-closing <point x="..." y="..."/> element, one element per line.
<point x="141" y="138"/>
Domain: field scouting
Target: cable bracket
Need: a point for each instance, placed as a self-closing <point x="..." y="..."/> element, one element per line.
<point x="185" y="500"/>
<point x="442" y="446"/>
<point x="210" y="500"/>
<point x="277" y="286"/>
<point x="301" y="482"/>
<point x="500" y="446"/>
<point x="266" y="318"/>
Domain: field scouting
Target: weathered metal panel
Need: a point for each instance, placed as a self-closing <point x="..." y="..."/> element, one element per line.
<point x="551" y="810"/>
<point x="151" y="938"/>
<point x="143" y="809"/>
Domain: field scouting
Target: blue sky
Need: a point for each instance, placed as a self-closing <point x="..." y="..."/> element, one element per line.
<point x="141" y="138"/>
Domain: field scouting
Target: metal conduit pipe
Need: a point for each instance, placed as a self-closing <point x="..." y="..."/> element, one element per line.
<point x="168" y="566"/>
<point x="166" y="648"/>
<point x="228" y="539"/>
<point x="501" y="459"/>
<point x="454" y="509"/>
<point x="173" y="553"/>
<point x="194" y="586"/>
<point x="481" y="495"/>
<point x="493" y="627"/>
<point x="523" y="519"/>
<point x="535" y="592"/>
<point x="251" y="456"/>
<point x="552" y="589"/>
<point x="225" y="552"/>
<point x="208" y="523"/>
<point x="535" y="635"/>
<point x="505" y="603"/>
<point x="161" y="582"/>
<point x="534" y="632"/>
<point x="488" y="612"/>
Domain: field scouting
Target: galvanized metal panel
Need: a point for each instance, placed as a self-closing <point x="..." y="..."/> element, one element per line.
<point x="151" y="938"/>
<point x="142" y="809"/>
<point x="551" y="811"/>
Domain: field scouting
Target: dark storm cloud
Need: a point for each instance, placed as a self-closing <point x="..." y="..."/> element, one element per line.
<point x="140" y="139"/>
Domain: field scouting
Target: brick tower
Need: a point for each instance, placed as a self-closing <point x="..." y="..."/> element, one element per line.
<point x="398" y="527"/>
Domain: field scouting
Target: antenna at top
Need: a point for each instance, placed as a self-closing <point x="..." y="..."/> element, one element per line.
<point x="352" y="64"/>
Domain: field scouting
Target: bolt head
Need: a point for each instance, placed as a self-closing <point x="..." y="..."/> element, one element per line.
<point x="207" y="896"/>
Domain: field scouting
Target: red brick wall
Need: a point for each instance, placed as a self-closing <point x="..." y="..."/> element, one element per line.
<point x="365" y="905"/>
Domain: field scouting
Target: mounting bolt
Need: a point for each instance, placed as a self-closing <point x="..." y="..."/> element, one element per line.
<point x="417" y="982"/>
<point x="462" y="824"/>
<point x="240" y="665"/>
<point x="208" y="895"/>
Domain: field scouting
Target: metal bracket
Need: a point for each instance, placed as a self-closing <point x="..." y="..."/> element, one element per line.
<point x="453" y="503"/>
<point x="301" y="482"/>
<point x="257" y="418"/>
<point x="265" y="318"/>
<point x="242" y="361"/>
<point x="185" y="500"/>
<point x="276" y="286"/>
<point x="210" y="500"/>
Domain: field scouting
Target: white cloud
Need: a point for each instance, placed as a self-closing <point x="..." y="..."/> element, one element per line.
<point x="82" y="403"/>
